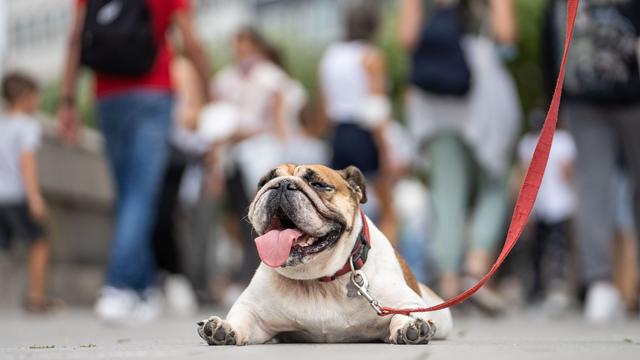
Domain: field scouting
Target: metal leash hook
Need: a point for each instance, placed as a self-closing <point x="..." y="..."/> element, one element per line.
<point x="360" y="281"/>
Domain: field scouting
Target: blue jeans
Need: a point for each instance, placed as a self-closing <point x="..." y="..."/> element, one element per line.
<point x="135" y="126"/>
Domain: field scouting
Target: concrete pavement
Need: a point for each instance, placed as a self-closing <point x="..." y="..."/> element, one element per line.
<point x="76" y="335"/>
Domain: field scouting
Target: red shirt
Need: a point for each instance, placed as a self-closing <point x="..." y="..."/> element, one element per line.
<point x="159" y="77"/>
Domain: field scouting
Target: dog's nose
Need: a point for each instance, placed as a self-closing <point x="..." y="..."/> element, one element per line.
<point x="286" y="185"/>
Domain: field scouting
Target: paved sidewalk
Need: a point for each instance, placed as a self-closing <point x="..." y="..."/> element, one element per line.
<point x="76" y="335"/>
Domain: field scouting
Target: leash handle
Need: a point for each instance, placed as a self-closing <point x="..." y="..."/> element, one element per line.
<point x="531" y="185"/>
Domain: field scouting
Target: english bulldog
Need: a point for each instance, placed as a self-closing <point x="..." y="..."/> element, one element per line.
<point x="318" y="253"/>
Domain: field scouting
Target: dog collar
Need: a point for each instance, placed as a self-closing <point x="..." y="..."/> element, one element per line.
<point x="359" y="253"/>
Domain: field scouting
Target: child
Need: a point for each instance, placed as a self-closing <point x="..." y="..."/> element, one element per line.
<point x="552" y="213"/>
<point x="22" y="208"/>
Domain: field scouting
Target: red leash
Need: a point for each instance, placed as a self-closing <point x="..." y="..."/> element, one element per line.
<point x="529" y="189"/>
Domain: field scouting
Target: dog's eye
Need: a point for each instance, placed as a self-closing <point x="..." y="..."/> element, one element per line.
<point x="319" y="185"/>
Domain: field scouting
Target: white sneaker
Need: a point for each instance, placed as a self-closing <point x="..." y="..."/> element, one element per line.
<point x="115" y="306"/>
<point x="603" y="303"/>
<point x="556" y="303"/>
<point x="149" y="307"/>
<point x="180" y="297"/>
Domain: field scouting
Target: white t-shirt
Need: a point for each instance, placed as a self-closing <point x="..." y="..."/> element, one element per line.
<point x="344" y="80"/>
<point x="253" y="94"/>
<point x="295" y="99"/>
<point x="18" y="134"/>
<point x="556" y="199"/>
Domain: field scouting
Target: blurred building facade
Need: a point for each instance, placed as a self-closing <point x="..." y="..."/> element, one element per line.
<point x="36" y="31"/>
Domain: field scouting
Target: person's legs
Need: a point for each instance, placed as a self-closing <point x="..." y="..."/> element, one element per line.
<point x="16" y="221"/>
<point x="135" y="126"/>
<point x="179" y="295"/>
<point x="166" y="249"/>
<point x="112" y="116"/>
<point x="450" y="185"/>
<point x="629" y="129"/>
<point x="487" y="226"/>
<point x="553" y="268"/>
<point x="540" y="242"/>
<point x="240" y="204"/>
<point x="593" y="130"/>
<point x="388" y="221"/>
<point x="554" y="256"/>
<point x="628" y="122"/>
<point x="38" y="266"/>
<point x="485" y="231"/>
<point x="595" y="180"/>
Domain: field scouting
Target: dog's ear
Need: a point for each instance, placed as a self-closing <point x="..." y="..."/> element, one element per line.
<point x="354" y="177"/>
<point x="268" y="177"/>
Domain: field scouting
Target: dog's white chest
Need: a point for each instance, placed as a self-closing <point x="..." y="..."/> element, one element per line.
<point x="335" y="318"/>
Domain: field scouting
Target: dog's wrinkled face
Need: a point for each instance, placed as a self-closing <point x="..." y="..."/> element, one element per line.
<point x="305" y="218"/>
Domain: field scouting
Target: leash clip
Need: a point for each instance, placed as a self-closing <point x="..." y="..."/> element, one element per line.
<point x="360" y="281"/>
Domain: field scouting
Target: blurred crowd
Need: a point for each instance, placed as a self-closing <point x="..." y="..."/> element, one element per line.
<point x="187" y="148"/>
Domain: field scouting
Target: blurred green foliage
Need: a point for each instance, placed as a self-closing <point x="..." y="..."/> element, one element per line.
<point x="50" y="99"/>
<point x="526" y="68"/>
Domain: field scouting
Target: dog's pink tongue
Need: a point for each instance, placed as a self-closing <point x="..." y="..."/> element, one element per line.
<point x="274" y="247"/>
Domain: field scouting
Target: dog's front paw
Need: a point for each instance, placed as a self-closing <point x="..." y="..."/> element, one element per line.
<point x="415" y="332"/>
<point x="216" y="331"/>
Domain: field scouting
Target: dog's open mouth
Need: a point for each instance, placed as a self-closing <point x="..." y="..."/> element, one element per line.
<point x="284" y="240"/>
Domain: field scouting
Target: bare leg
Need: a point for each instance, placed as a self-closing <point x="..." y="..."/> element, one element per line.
<point x="450" y="285"/>
<point x="388" y="224"/>
<point x="625" y="271"/>
<point x="477" y="263"/>
<point x="38" y="266"/>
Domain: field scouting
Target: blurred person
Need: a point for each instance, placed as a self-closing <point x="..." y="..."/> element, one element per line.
<point x="253" y="85"/>
<point x="353" y="80"/>
<point x="602" y="105"/>
<point x="410" y="201"/>
<point x="462" y="106"/>
<point x="187" y="151"/>
<point x="294" y="95"/>
<point x="125" y="45"/>
<point x="625" y="249"/>
<point x="552" y="214"/>
<point x="23" y="210"/>
<point x="304" y="143"/>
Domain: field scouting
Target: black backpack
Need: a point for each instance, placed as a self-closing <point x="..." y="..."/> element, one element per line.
<point x="603" y="64"/>
<point x="438" y="61"/>
<point x="118" y="38"/>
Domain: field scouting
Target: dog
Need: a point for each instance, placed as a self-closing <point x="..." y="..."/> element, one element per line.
<point x="314" y="241"/>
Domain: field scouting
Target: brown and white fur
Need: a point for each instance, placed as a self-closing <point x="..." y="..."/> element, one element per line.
<point x="289" y="303"/>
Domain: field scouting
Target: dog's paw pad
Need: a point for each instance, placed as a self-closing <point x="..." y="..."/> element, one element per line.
<point x="216" y="331"/>
<point x="415" y="332"/>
